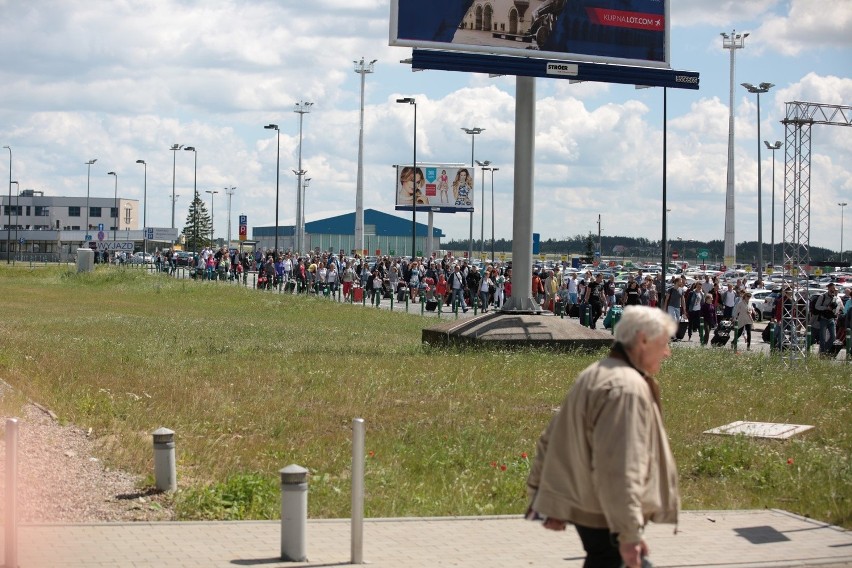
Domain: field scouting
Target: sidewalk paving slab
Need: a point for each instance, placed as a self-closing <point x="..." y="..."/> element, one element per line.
<point x="757" y="538"/>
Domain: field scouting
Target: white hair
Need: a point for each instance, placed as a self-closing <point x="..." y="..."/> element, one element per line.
<point x="653" y="322"/>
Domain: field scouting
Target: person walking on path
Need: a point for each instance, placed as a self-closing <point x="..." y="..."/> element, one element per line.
<point x="743" y="317"/>
<point x="604" y="463"/>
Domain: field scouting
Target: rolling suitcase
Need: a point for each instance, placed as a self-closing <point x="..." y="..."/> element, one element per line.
<point x="682" y="328"/>
<point x="431" y="305"/>
<point x="357" y="294"/>
<point x="722" y="334"/>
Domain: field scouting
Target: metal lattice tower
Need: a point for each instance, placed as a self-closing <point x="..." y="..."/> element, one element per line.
<point x="800" y="116"/>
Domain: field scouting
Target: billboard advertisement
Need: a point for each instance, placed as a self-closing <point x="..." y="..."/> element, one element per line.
<point x="632" y="32"/>
<point x="443" y="189"/>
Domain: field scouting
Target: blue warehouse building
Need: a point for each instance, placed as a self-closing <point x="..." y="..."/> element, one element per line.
<point x="383" y="232"/>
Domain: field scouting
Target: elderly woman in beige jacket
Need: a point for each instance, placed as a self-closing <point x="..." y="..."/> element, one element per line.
<point x="743" y="317"/>
<point x="604" y="462"/>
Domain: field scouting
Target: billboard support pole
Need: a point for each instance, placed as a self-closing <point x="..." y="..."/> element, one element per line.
<point x="522" y="222"/>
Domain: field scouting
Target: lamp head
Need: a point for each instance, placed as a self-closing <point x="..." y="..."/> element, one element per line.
<point x="176" y="147"/>
<point x="766" y="86"/>
<point x="113" y="174"/>
<point x="271" y="127"/>
<point x="406" y="100"/>
<point x="474" y="130"/>
<point x="190" y="148"/>
<point x="772" y="146"/>
<point x="141" y="162"/>
<point x="92" y="161"/>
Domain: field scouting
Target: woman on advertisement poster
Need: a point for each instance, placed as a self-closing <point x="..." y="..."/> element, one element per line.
<point x="444" y="187"/>
<point x="463" y="188"/>
<point x="411" y="182"/>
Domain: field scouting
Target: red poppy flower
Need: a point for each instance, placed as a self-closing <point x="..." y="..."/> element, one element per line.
<point x="789" y="461"/>
<point x="524" y="456"/>
<point x="493" y="464"/>
<point x="503" y="467"/>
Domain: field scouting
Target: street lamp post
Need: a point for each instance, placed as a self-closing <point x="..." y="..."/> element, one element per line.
<point x="484" y="166"/>
<point x="17" y="195"/>
<point x="144" y="207"/>
<point x="473" y="132"/>
<point x="731" y="42"/>
<point x="277" y="176"/>
<point x="762" y="88"/>
<point x="492" y="213"/>
<point x="115" y="205"/>
<point x="413" y="102"/>
<point x="9" y="226"/>
<point x="842" y="205"/>
<point x="174" y="149"/>
<point x="229" y="191"/>
<point x="302" y="107"/>
<point x="362" y="69"/>
<point x="88" y="184"/>
<point x="212" y="193"/>
<point x="194" y="197"/>
<point x="773" y="147"/>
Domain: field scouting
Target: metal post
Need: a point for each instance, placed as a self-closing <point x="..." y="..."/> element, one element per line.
<point x="115" y="204"/>
<point x="144" y="208"/>
<point x="230" y="193"/>
<point x="165" y="473"/>
<point x="492" y="214"/>
<point x="11" y="533"/>
<point x="174" y="149"/>
<point x="294" y="512"/>
<point x="302" y="107"/>
<point x="357" y="491"/>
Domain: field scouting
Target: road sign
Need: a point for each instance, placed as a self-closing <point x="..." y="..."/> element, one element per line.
<point x="22" y="240"/>
<point x="703" y="253"/>
<point x="161" y="233"/>
<point x="111" y="245"/>
<point x="392" y="252"/>
<point x="87" y="238"/>
<point x="243" y="219"/>
<point x="243" y="232"/>
<point x="675" y="255"/>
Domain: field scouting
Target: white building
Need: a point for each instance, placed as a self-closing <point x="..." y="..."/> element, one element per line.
<point x="50" y="226"/>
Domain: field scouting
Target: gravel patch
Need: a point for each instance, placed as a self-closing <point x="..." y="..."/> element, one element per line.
<point x="60" y="479"/>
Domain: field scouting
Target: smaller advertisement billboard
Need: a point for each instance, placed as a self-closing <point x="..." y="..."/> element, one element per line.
<point x="444" y="189"/>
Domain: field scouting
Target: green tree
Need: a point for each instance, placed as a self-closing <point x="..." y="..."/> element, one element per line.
<point x="197" y="230"/>
<point x="590" y="245"/>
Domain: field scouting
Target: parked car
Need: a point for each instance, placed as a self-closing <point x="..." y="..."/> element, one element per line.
<point x="142" y="258"/>
<point x="182" y="258"/>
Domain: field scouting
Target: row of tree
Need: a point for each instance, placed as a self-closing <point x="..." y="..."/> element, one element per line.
<point x="640" y="247"/>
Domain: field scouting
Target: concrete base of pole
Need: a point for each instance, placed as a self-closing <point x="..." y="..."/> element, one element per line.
<point x="517" y="329"/>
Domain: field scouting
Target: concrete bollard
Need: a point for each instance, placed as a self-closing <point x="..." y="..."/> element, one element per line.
<point x="294" y="512"/>
<point x="165" y="475"/>
<point x="11" y="532"/>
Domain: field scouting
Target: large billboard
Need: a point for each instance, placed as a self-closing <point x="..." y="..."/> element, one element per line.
<point x="632" y="32"/>
<point x="443" y="189"/>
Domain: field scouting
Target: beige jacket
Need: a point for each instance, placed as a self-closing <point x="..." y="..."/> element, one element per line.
<point x="604" y="460"/>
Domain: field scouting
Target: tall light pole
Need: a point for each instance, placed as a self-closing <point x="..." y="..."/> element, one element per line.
<point x="773" y="147"/>
<point x="760" y="89"/>
<point x="302" y="107"/>
<point x="731" y="42"/>
<point x="194" y="197"/>
<point x="362" y="69"/>
<point x="212" y="193"/>
<point x="306" y="181"/>
<point x="174" y="149"/>
<point x="144" y="207"/>
<point x="229" y="191"/>
<point x="88" y="184"/>
<point x="842" y="205"/>
<point x="299" y="184"/>
<point x="492" y="213"/>
<point x="115" y="204"/>
<point x="473" y="132"/>
<point x="413" y="102"/>
<point x="9" y="226"/>
<point x="277" y="177"/>
<point x="484" y="166"/>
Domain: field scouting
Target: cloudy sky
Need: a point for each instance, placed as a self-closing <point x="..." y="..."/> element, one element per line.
<point x="124" y="80"/>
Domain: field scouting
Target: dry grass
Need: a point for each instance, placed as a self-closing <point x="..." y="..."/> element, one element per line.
<point x="253" y="381"/>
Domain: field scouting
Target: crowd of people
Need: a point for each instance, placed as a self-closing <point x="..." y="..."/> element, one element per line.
<point x="457" y="284"/>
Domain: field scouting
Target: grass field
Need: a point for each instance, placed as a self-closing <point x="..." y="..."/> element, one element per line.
<point x="253" y="381"/>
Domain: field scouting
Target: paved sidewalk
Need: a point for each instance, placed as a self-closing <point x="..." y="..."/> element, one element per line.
<point x="706" y="538"/>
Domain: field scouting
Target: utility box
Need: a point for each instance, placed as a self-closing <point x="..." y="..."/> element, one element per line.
<point x="85" y="260"/>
